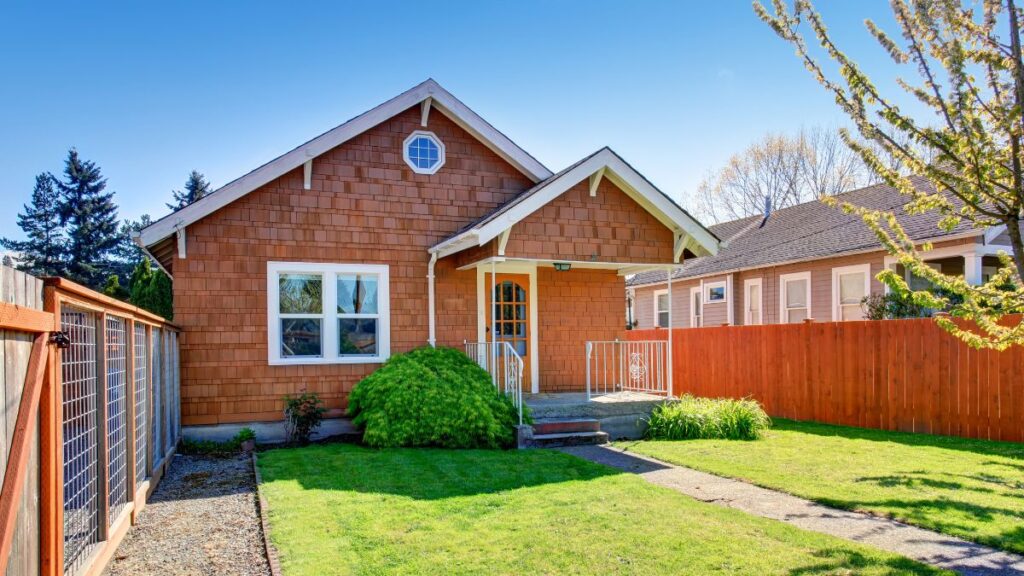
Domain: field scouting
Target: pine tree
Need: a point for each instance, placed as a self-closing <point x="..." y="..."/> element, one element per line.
<point x="42" y="253"/>
<point x="126" y="255"/>
<point x="195" y="188"/>
<point x="90" y="214"/>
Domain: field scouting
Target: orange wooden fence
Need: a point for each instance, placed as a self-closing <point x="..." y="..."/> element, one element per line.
<point x="906" y="375"/>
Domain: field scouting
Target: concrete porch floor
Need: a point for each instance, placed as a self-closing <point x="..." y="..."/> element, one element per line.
<point x="621" y="414"/>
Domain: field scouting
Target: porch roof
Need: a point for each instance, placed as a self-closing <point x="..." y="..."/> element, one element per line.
<point x="623" y="268"/>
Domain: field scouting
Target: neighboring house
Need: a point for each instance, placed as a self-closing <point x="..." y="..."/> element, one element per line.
<point x="395" y="230"/>
<point x="805" y="261"/>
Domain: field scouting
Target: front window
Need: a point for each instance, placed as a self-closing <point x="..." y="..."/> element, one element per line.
<point x="423" y="152"/>
<point x="714" y="292"/>
<point x="753" y="303"/>
<point x="661" y="308"/>
<point x="850" y="285"/>
<point x="696" y="310"/>
<point x="327" y="313"/>
<point x="795" y="290"/>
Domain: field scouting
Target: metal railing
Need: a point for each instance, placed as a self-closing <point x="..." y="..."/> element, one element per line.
<point x="624" y="366"/>
<point x="505" y="366"/>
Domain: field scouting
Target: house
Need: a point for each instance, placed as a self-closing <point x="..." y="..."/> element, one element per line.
<point x="405" y="226"/>
<point x="805" y="261"/>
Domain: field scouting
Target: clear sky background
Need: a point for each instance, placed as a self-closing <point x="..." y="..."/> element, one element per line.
<point x="150" y="91"/>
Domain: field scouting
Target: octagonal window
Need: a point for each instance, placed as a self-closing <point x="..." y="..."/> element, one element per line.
<point x="423" y="152"/>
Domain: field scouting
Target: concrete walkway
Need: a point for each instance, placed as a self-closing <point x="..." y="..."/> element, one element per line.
<point x="922" y="545"/>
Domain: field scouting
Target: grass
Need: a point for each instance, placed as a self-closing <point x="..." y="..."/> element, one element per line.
<point x="973" y="489"/>
<point x="342" y="509"/>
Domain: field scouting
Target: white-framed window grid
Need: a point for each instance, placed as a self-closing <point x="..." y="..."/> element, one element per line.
<point x="333" y="323"/>
<point x="753" y="302"/>
<point x="661" y="304"/>
<point x="696" y="307"/>
<point x="424" y="152"/>
<point x="794" y="297"/>
<point x="716" y="292"/>
<point x="850" y="285"/>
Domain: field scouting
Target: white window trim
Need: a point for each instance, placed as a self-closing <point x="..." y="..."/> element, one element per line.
<point x="747" y="284"/>
<point x="707" y="291"/>
<point x="783" y="278"/>
<point x="440" y="152"/>
<point x="657" y="313"/>
<point x="329" y="327"/>
<point x="698" y="290"/>
<point x="839" y="271"/>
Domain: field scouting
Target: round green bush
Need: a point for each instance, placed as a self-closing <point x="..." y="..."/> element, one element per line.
<point x="432" y="397"/>
<point x="708" y="418"/>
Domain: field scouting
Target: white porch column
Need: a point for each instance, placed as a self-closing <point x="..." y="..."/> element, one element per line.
<point x="972" y="268"/>
<point x="668" y="387"/>
<point x="489" y="289"/>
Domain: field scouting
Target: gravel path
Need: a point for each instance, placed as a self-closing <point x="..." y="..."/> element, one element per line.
<point x="202" y="520"/>
<point x="925" y="546"/>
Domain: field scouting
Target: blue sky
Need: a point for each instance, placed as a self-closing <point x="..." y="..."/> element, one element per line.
<point x="151" y="91"/>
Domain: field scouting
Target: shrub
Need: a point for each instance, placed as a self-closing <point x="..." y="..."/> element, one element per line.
<point x="208" y="448"/>
<point x="692" y="418"/>
<point x="245" y="434"/>
<point x="303" y="415"/>
<point x="432" y="397"/>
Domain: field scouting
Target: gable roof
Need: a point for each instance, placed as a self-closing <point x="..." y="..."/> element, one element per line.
<point x="440" y="99"/>
<point x="604" y="163"/>
<point x="807" y="231"/>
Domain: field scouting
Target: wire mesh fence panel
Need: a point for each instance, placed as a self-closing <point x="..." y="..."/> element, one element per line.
<point x="175" y="389"/>
<point x="80" y="424"/>
<point x="141" y="402"/>
<point x="117" y="414"/>
<point x="158" y="384"/>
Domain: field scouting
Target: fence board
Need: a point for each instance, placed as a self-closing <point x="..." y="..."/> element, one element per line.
<point x="906" y="375"/>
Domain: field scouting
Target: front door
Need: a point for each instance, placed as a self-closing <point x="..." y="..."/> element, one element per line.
<point x="508" y="305"/>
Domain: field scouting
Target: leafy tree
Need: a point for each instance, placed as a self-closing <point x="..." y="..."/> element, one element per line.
<point x="971" y="79"/>
<point x="112" y="287"/>
<point x="90" y="214"/>
<point x="150" y="289"/>
<point x="195" y="188"/>
<point x="42" y="253"/>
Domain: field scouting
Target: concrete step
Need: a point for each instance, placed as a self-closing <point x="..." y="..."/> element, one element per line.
<point x="563" y="426"/>
<point x="568" y="439"/>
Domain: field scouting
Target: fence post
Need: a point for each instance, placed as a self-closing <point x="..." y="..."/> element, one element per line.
<point x="51" y="501"/>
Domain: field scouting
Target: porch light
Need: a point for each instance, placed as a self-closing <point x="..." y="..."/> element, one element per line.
<point x="562" y="266"/>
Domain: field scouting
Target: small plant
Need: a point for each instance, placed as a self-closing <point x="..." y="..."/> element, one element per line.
<point x="303" y="415"/>
<point x="708" y="418"/>
<point x="245" y="434"/>
<point x="892" y="306"/>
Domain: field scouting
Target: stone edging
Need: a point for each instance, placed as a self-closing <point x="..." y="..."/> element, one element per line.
<point x="261" y="505"/>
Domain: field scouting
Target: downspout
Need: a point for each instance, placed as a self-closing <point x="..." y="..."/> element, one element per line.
<point x="431" y="321"/>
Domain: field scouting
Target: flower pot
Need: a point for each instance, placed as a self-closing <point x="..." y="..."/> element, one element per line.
<point x="248" y="445"/>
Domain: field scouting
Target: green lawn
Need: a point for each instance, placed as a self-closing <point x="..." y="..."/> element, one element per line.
<point x="973" y="489"/>
<point x="341" y="509"/>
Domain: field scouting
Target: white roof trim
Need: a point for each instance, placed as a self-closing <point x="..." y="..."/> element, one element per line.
<point x="612" y="167"/>
<point x="441" y="100"/>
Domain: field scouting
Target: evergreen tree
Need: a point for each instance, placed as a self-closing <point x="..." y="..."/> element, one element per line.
<point x="195" y="188"/>
<point x="127" y="253"/>
<point x="151" y="290"/>
<point x="90" y="214"/>
<point x="42" y="253"/>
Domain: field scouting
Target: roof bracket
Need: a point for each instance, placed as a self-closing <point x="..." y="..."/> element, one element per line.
<point x="425" y="111"/>
<point x="181" y="242"/>
<point x="503" y="241"/>
<point x="595" y="180"/>
<point x="307" y="174"/>
<point x="682" y="241"/>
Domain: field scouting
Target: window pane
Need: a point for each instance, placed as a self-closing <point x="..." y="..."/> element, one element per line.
<point x="796" y="293"/>
<point x="357" y="336"/>
<point x="717" y="293"/>
<point x="520" y="346"/>
<point x="663" y="319"/>
<point x="301" y="294"/>
<point x="796" y="315"/>
<point x="357" y="294"/>
<point x="300" y="337"/>
<point x="754" y="298"/>
<point x="852" y="312"/>
<point x="851" y="288"/>
<point x="662" y="302"/>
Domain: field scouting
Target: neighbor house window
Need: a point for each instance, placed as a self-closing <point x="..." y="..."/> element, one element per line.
<point x="850" y="285"/>
<point x="327" y="313"/>
<point x="714" y="292"/>
<point x="661" y="316"/>
<point x="696" y="309"/>
<point x="423" y="152"/>
<point x="752" y="302"/>
<point x="795" y="297"/>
